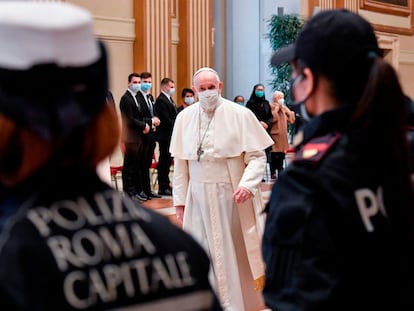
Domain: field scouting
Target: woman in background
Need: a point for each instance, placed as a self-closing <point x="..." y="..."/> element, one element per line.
<point x="282" y="116"/>
<point x="260" y="106"/>
<point x="239" y="100"/>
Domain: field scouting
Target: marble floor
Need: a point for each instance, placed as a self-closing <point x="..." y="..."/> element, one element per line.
<point x="165" y="206"/>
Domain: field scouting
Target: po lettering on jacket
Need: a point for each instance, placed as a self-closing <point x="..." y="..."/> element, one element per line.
<point x="369" y="204"/>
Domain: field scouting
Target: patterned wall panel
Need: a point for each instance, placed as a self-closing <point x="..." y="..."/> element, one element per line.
<point x="200" y="38"/>
<point x="195" y="47"/>
<point x="157" y="49"/>
<point x="329" y="4"/>
<point x="173" y="39"/>
<point x="326" y="4"/>
<point x="351" y="5"/>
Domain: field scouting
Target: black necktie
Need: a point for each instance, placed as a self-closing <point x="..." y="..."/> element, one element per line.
<point x="149" y="104"/>
<point x="136" y="98"/>
<point x="172" y="102"/>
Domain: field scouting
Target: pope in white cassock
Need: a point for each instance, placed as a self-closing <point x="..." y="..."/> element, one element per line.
<point x="219" y="162"/>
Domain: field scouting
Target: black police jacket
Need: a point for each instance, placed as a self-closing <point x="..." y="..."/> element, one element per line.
<point x="328" y="244"/>
<point x="70" y="242"/>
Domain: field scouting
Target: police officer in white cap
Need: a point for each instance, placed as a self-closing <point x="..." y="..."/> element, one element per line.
<point x="68" y="241"/>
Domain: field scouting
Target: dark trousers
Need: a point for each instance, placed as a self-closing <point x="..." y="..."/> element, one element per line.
<point x="276" y="162"/>
<point x="164" y="163"/>
<point x="268" y="153"/>
<point x="149" y="149"/>
<point x="133" y="168"/>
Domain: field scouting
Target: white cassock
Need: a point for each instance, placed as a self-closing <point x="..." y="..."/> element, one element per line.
<point x="103" y="169"/>
<point x="233" y="144"/>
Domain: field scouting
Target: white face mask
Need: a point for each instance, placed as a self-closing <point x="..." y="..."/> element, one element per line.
<point x="189" y="100"/>
<point x="209" y="100"/>
<point x="281" y="101"/>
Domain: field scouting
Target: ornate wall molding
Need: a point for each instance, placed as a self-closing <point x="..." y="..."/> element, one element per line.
<point x="396" y="7"/>
<point x="400" y="15"/>
<point x="407" y="57"/>
<point x="390" y="44"/>
<point x="111" y="28"/>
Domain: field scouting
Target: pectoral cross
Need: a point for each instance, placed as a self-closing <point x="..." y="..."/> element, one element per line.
<point x="200" y="151"/>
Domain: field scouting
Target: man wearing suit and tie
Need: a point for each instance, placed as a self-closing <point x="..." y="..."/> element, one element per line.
<point x="146" y="101"/>
<point x="134" y="131"/>
<point x="166" y="111"/>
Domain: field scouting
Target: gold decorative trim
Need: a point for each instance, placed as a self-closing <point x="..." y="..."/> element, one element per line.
<point x="404" y="11"/>
<point x="395" y="7"/>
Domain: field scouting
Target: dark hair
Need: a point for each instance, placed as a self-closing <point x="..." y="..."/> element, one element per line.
<point x="23" y="152"/>
<point x="185" y="91"/>
<point x="410" y="109"/>
<point x="338" y="44"/>
<point x="145" y="74"/>
<point x="377" y="126"/>
<point x="165" y="81"/>
<point x="237" y="96"/>
<point x="110" y="98"/>
<point x="131" y="75"/>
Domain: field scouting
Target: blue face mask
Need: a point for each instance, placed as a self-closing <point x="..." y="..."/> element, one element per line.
<point x="259" y="93"/>
<point x="135" y="87"/>
<point x="145" y="86"/>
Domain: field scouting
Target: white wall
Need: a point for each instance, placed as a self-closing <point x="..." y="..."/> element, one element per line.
<point x="248" y="49"/>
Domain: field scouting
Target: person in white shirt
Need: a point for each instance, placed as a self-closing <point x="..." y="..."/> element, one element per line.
<point x="219" y="161"/>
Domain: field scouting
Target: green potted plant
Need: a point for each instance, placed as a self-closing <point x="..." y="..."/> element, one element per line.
<point x="283" y="30"/>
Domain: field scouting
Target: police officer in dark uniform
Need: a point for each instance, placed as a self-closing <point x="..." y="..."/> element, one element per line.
<point x="410" y="105"/>
<point x="339" y="228"/>
<point x="68" y="241"/>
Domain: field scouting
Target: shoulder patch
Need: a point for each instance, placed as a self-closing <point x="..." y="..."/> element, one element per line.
<point x="316" y="148"/>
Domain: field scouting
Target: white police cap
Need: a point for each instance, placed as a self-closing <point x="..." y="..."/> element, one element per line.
<point x="53" y="70"/>
<point x="45" y="32"/>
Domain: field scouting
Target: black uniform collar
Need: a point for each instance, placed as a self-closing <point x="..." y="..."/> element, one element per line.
<point x="335" y="120"/>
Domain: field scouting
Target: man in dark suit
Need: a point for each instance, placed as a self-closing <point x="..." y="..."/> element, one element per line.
<point x="134" y="132"/>
<point x="146" y="102"/>
<point x="166" y="111"/>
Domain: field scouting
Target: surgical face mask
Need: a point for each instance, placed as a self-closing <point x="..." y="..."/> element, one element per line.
<point x="281" y="101"/>
<point x="240" y="103"/>
<point x="171" y="91"/>
<point x="135" y="87"/>
<point x="209" y="100"/>
<point x="304" y="114"/>
<point x="189" y="100"/>
<point x="293" y="83"/>
<point x="259" y="93"/>
<point x="145" y="86"/>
